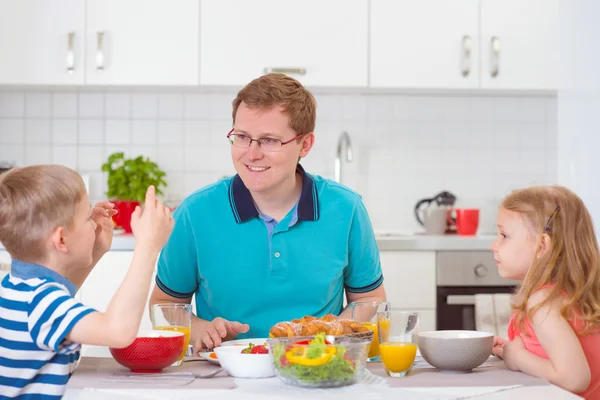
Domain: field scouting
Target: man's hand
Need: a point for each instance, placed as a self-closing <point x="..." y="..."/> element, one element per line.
<point x="102" y="214"/>
<point x="511" y="352"/>
<point x="217" y="330"/>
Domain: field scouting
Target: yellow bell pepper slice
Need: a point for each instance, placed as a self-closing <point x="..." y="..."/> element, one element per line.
<point x="297" y="355"/>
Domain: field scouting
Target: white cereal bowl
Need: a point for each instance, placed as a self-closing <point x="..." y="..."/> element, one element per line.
<point x="459" y="351"/>
<point x="241" y="365"/>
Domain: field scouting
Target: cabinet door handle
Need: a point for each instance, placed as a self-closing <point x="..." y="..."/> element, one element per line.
<point x="298" y="71"/>
<point x="100" y="51"/>
<point x="494" y="56"/>
<point x="70" y="60"/>
<point x="467" y="46"/>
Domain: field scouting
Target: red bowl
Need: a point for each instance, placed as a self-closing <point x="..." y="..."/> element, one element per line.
<point x="151" y="351"/>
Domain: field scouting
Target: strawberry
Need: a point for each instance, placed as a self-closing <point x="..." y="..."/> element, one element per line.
<point x="259" y="349"/>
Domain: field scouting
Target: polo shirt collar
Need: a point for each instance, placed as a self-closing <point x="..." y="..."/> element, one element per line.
<point x="24" y="270"/>
<point x="243" y="207"/>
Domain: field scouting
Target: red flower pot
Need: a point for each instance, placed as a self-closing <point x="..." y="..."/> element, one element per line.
<point x="123" y="217"/>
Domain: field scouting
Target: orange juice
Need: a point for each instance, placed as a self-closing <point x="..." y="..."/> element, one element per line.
<point x="374" y="349"/>
<point x="398" y="356"/>
<point x="178" y="328"/>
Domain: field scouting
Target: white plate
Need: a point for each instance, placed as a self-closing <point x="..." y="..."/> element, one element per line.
<point x="245" y="342"/>
<point x="206" y="356"/>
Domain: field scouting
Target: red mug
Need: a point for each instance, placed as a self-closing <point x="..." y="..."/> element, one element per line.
<point x="466" y="221"/>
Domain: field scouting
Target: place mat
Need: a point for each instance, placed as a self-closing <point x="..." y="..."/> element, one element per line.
<point x="493" y="373"/>
<point x="106" y="373"/>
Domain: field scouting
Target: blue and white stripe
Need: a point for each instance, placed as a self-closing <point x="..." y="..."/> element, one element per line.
<point x="36" y="314"/>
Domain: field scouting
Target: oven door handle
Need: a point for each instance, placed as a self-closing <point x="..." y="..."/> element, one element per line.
<point x="460" y="300"/>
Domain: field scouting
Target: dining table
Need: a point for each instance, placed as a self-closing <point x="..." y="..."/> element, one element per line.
<point x="102" y="378"/>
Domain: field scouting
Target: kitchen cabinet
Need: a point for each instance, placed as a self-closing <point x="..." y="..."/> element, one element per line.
<point x="102" y="283"/>
<point x="42" y="42"/>
<point x="466" y="44"/>
<point x="321" y="43"/>
<point x="142" y="42"/>
<point x="410" y="284"/>
<point x="424" y="44"/>
<point x="519" y="44"/>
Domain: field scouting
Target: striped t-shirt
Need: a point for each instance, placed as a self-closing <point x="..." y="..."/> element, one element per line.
<point x="37" y="311"/>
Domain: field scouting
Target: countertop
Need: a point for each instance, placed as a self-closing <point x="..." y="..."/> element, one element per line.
<point x="385" y="241"/>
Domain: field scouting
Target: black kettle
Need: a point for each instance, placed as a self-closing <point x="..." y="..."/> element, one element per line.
<point x="441" y="199"/>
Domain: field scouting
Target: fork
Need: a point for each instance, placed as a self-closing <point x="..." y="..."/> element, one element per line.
<point x="182" y="373"/>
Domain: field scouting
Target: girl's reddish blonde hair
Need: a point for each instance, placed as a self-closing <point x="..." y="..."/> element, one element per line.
<point x="571" y="266"/>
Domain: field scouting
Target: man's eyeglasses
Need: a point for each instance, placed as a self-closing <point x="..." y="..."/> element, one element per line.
<point x="267" y="144"/>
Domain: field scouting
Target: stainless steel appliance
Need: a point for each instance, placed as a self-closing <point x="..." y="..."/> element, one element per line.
<point x="460" y="276"/>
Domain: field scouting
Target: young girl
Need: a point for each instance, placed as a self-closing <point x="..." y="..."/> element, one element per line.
<point x="546" y="240"/>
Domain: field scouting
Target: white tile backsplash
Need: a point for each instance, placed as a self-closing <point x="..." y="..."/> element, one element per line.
<point x="12" y="105"/>
<point x="170" y="106"/>
<point x="89" y="159"/>
<point x="64" y="105"/>
<point x="65" y="155"/>
<point x="38" y="154"/>
<point x="406" y="146"/>
<point x="37" y="131"/>
<point x="64" y="131"/>
<point x="170" y="132"/>
<point x="38" y="105"/>
<point x="91" y="131"/>
<point x="145" y="105"/>
<point x="13" y="153"/>
<point x="144" y="131"/>
<point x="91" y="105"/>
<point x="118" y="105"/>
<point x="117" y="131"/>
<point x="12" y="131"/>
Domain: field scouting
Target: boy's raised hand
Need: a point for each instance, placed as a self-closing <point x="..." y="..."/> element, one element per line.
<point x="152" y="226"/>
<point x="102" y="214"/>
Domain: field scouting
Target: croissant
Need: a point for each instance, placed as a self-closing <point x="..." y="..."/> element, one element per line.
<point x="347" y="326"/>
<point x="335" y="328"/>
<point x="329" y="318"/>
<point x="288" y="329"/>
<point x="310" y="326"/>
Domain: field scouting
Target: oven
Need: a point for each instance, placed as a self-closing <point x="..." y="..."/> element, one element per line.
<point x="460" y="276"/>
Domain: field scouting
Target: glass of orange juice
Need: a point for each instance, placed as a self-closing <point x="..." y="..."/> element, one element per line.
<point x="365" y="312"/>
<point x="173" y="317"/>
<point x="396" y="341"/>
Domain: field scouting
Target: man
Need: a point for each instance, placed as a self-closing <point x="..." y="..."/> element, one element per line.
<point x="273" y="243"/>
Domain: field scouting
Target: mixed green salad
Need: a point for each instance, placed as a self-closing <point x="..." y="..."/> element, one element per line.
<point x="314" y="361"/>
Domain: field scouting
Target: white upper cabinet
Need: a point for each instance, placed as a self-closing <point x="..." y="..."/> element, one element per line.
<point x="41" y="42"/>
<point x="142" y="42"/>
<point x="424" y="44"/>
<point x="321" y="43"/>
<point x="519" y="44"/>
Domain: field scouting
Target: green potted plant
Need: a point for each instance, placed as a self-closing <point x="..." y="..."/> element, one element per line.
<point x="128" y="179"/>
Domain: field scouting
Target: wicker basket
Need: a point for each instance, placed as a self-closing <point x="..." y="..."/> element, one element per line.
<point x="368" y="335"/>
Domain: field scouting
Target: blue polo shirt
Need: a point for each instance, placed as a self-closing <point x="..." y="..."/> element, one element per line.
<point x="222" y="252"/>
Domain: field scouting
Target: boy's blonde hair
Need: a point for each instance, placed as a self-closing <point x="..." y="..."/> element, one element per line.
<point x="280" y="90"/>
<point x="34" y="201"/>
<point x="571" y="266"/>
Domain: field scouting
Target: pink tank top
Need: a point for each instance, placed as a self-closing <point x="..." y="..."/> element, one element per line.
<point x="589" y="343"/>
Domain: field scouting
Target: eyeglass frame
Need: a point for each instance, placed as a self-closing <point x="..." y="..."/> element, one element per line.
<point x="259" y="141"/>
<point x="547" y="227"/>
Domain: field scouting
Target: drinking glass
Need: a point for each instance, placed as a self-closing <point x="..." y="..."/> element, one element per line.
<point x="396" y="341"/>
<point x="365" y="312"/>
<point x="173" y="317"/>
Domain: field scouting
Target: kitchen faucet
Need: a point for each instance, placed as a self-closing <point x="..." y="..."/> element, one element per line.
<point x="343" y="139"/>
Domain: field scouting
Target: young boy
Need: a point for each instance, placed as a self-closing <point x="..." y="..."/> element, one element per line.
<point x="55" y="238"/>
